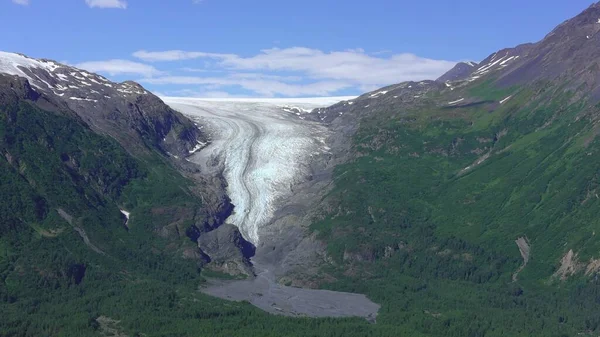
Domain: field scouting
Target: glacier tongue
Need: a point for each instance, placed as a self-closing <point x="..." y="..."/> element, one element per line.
<point x="263" y="151"/>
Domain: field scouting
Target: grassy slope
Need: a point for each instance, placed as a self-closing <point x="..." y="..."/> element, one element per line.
<point x="435" y="243"/>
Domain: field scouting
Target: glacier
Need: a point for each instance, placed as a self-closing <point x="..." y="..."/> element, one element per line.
<point x="263" y="147"/>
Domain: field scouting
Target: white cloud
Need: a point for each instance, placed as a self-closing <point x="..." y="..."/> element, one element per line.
<point x="177" y="55"/>
<point x="261" y="86"/>
<point x="353" y="66"/>
<point x="107" y="4"/>
<point x="21" y="2"/>
<point x="295" y="71"/>
<point x="256" y="76"/>
<point x="201" y="93"/>
<point x="120" y="67"/>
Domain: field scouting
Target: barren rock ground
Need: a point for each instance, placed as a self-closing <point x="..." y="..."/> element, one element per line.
<point x="264" y="293"/>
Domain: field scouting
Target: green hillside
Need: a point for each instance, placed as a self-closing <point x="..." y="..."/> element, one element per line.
<point x="424" y="219"/>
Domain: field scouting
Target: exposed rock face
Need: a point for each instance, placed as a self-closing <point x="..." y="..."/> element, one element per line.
<point x="567" y="54"/>
<point x="460" y="72"/>
<point x="227" y="250"/>
<point x="569" y="265"/>
<point x="348" y="113"/>
<point x="125" y="111"/>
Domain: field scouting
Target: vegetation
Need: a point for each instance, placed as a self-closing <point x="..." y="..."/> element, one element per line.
<point x="425" y="219"/>
<point x="125" y="280"/>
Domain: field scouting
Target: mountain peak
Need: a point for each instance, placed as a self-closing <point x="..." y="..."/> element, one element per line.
<point x="62" y="80"/>
<point x="126" y="111"/>
<point x="585" y="23"/>
<point x="459" y="72"/>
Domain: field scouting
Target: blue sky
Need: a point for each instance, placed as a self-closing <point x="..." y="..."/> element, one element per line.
<point x="273" y="48"/>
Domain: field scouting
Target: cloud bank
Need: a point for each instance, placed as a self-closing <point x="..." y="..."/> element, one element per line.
<point x="119" y="67"/>
<point x="295" y="71"/>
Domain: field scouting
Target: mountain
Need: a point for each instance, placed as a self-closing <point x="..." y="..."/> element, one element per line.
<point x="460" y="71"/>
<point x="467" y="206"/>
<point x="144" y="126"/>
<point x="97" y="200"/>
<point x="124" y="111"/>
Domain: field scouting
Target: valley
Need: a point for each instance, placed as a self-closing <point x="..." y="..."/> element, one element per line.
<point x="266" y="151"/>
<point x="263" y="151"/>
<point x="457" y="205"/>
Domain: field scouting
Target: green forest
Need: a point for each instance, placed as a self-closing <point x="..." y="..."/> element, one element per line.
<point x="439" y="196"/>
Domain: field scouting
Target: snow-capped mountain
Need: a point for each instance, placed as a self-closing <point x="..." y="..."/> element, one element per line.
<point x="125" y="111"/>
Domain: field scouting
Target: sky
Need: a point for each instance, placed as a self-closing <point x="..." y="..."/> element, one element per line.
<point x="273" y="48"/>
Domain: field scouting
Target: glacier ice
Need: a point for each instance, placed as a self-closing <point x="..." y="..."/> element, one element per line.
<point x="263" y="150"/>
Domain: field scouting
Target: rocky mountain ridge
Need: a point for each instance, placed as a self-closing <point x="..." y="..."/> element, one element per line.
<point x="460" y="71"/>
<point x="124" y="111"/>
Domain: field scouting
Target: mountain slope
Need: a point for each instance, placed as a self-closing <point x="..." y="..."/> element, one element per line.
<point x="468" y="207"/>
<point x="87" y="219"/>
<point x="125" y="111"/>
<point x="459" y="72"/>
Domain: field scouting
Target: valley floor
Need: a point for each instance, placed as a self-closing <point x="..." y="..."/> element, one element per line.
<point x="266" y="294"/>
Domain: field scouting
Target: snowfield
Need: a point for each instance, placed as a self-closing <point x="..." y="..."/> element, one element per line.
<point x="263" y="149"/>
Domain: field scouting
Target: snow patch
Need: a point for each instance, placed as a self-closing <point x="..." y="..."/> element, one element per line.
<point x="379" y="93"/>
<point x="507" y="60"/>
<point x="83" y="99"/>
<point x="457" y="101"/>
<point x="126" y="214"/>
<point x="488" y="66"/>
<point x="196" y="148"/>
<point x="14" y="64"/>
<point x="94" y="81"/>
